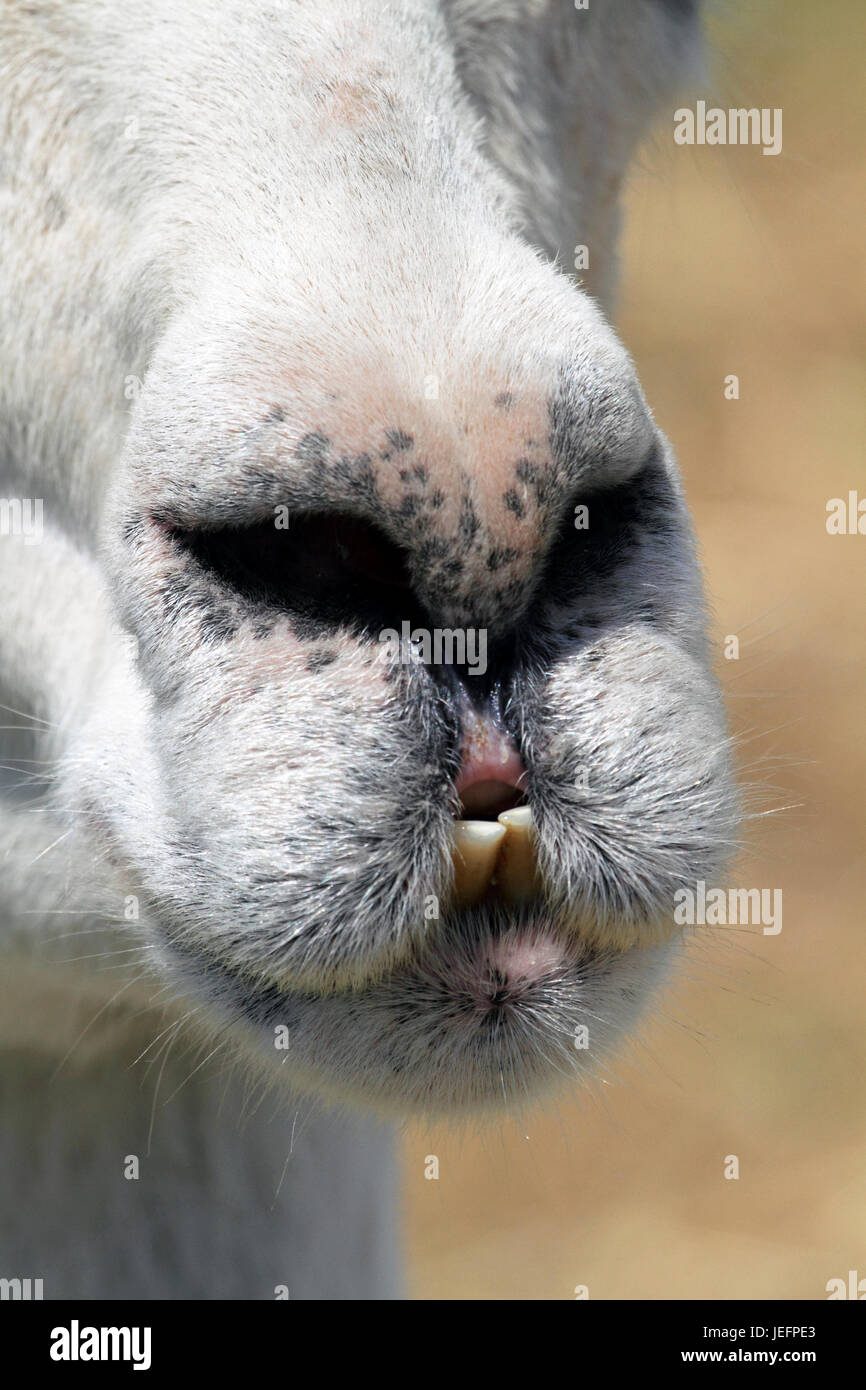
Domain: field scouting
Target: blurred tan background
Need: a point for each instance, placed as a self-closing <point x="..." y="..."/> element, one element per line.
<point x="734" y="262"/>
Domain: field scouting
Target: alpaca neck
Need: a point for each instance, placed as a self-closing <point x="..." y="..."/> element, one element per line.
<point x="237" y="1197"/>
<point x="240" y="1194"/>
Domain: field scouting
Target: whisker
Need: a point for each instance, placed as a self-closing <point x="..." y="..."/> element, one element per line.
<point x="107" y="1005"/>
<point x="53" y="845"/>
<point x="23" y="714"/>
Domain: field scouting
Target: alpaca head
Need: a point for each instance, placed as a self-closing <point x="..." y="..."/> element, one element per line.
<point x="403" y="551"/>
<point x="289" y="542"/>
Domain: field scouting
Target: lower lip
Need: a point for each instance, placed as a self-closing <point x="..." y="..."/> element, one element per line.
<point x="526" y="957"/>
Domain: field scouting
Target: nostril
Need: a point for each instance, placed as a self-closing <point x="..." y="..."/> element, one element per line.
<point x="328" y="565"/>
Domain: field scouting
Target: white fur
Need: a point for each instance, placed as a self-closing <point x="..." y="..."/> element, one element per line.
<point x="237" y="244"/>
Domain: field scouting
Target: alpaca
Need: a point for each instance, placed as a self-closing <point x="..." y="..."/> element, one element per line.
<point x="301" y="412"/>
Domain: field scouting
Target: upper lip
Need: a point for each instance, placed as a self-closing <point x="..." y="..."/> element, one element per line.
<point x="486" y="747"/>
<point x="494" y="841"/>
<point x="492" y="774"/>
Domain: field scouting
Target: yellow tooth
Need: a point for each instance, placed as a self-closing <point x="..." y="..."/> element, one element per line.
<point x="476" y="845"/>
<point x="517" y="868"/>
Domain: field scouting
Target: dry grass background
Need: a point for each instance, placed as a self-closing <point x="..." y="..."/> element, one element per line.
<point x="733" y="262"/>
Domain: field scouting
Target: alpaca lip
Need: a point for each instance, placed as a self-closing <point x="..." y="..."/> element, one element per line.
<point x="492" y="773"/>
<point x="495" y="1004"/>
<point x="486" y="798"/>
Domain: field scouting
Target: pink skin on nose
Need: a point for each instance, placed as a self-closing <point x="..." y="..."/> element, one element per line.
<point x="492" y="774"/>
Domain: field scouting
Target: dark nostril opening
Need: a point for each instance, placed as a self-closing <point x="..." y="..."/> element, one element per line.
<point x="327" y="566"/>
<point x="487" y="800"/>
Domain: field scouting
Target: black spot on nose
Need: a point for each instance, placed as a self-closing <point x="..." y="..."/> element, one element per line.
<point x="400" y="440"/>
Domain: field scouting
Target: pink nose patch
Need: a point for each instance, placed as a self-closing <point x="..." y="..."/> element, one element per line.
<point x="492" y="775"/>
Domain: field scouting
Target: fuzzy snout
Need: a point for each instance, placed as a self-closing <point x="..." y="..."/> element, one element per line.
<point x="423" y="670"/>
